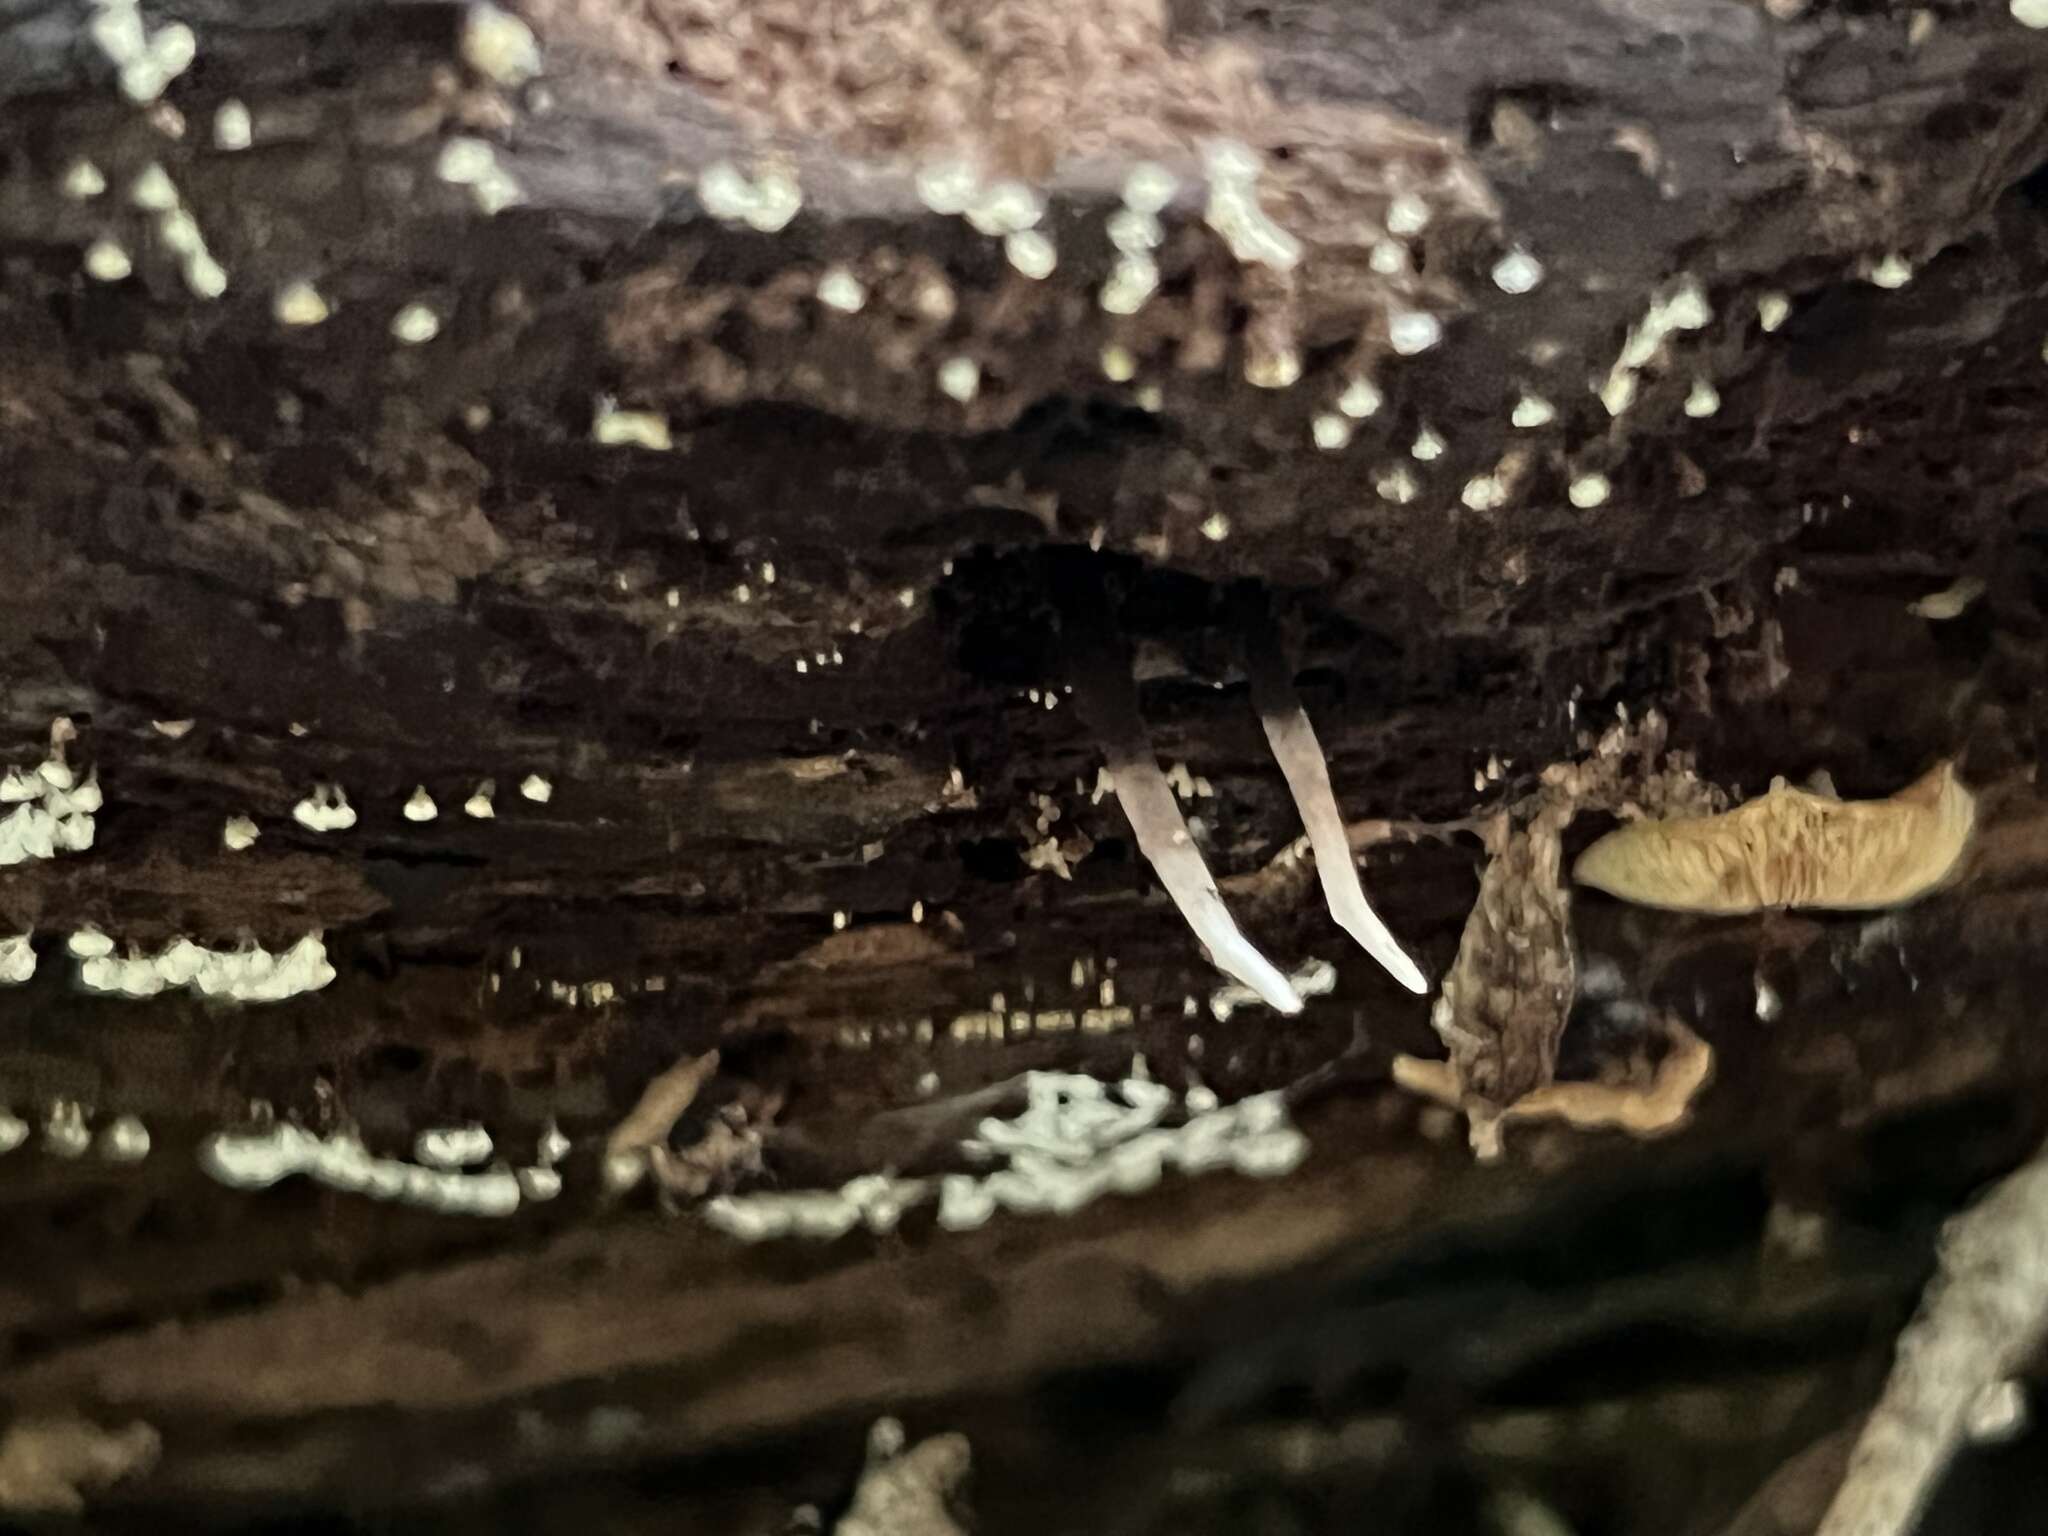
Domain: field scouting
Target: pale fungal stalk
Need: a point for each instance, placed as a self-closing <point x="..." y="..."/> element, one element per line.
<point x="1108" y="699"/>
<point x="1300" y="755"/>
<point x="1982" y="1319"/>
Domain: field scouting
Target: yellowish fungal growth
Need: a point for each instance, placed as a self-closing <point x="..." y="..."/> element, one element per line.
<point x="1789" y="848"/>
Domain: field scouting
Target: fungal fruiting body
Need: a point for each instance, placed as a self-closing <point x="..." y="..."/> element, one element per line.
<point x="1077" y="1140"/>
<point x="1791" y="848"/>
<point x="1300" y="755"/>
<point x="1104" y="690"/>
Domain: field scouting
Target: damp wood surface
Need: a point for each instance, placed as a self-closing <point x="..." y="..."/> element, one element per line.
<point x="817" y="793"/>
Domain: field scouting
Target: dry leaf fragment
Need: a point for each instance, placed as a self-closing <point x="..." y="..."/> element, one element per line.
<point x="1789" y="848"/>
<point x="648" y="1122"/>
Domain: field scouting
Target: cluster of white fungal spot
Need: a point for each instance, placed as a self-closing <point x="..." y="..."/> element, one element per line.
<point x="766" y="203"/>
<point x="258" y="1158"/>
<point x="615" y="428"/>
<point x="1233" y="209"/>
<point x="473" y="163"/>
<point x="1077" y="1140"/>
<point x="251" y="974"/>
<point x="1682" y="307"/>
<point x="124" y="1139"/>
<point x="326" y="809"/>
<point x="1136" y="232"/>
<point x="17" y="959"/>
<point x="498" y="45"/>
<point x="153" y="192"/>
<point x="147" y="60"/>
<point x="52" y="809"/>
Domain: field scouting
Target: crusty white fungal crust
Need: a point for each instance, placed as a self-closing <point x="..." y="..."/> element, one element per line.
<point x="1294" y="743"/>
<point x="1790" y="848"/>
<point x="1103" y="687"/>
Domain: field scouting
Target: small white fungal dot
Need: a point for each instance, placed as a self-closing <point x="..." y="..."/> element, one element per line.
<point x="88" y="943"/>
<point x="1389" y="258"/>
<point x="1428" y="446"/>
<point x="1892" y="272"/>
<point x="1004" y="209"/>
<point x="83" y="180"/>
<point x="1410" y="331"/>
<point x="839" y="289"/>
<point x="1361" y="398"/>
<point x="536" y="788"/>
<point x="479" y="804"/>
<point x="1517" y="272"/>
<point x="1118" y="366"/>
<point x="1589" y="490"/>
<point x="767" y="573"/>
<point x="947" y="186"/>
<point x="1396" y="485"/>
<point x="125" y="1140"/>
<point x="205" y="276"/>
<point x="238" y="833"/>
<point x="1031" y="253"/>
<point x="615" y="428"/>
<point x="1330" y="432"/>
<point x="1533" y="411"/>
<point x="152" y="190"/>
<point x="421" y="806"/>
<point x="498" y="45"/>
<point x="1484" y="493"/>
<point x="1131" y="282"/>
<point x="1277" y="369"/>
<point x="299" y="303"/>
<point x="1216" y="527"/>
<point x="906" y="598"/>
<point x="960" y="378"/>
<point x="106" y="262"/>
<point x="2030" y="13"/>
<point x="1619" y="392"/>
<point x="838" y="921"/>
<point x="1772" y="309"/>
<point x="232" y="128"/>
<point x="415" y="324"/>
<point x="1149" y="187"/>
<point x="1703" y="399"/>
<point x="1150" y="397"/>
<point x="1407" y="215"/>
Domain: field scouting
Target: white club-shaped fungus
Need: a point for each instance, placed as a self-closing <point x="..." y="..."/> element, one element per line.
<point x="1103" y="688"/>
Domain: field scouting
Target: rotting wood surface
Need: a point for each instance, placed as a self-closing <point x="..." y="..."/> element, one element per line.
<point x="783" y="675"/>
